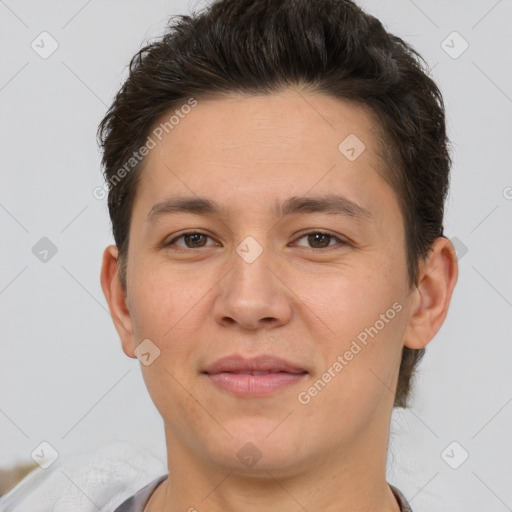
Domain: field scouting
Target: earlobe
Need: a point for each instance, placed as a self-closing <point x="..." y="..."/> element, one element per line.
<point x="115" y="295"/>
<point x="438" y="276"/>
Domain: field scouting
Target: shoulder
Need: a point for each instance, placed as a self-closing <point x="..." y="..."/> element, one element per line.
<point x="102" y="479"/>
<point x="402" y="501"/>
<point x="139" y="500"/>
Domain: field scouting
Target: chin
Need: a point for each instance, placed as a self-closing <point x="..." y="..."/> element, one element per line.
<point x="256" y="450"/>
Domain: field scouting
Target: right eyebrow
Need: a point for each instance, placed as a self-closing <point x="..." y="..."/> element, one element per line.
<point x="174" y="205"/>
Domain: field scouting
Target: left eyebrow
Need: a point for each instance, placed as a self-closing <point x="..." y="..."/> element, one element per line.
<point x="330" y="204"/>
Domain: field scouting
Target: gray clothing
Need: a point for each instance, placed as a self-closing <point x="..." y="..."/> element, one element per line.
<point x="140" y="499"/>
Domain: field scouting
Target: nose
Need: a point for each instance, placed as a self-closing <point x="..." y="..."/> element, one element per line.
<point x="253" y="295"/>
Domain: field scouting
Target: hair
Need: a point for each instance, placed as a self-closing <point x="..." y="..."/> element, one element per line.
<point x="262" y="47"/>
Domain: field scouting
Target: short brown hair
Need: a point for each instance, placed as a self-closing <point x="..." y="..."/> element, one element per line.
<point x="263" y="46"/>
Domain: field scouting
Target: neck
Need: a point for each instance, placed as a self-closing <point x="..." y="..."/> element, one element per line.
<point x="345" y="479"/>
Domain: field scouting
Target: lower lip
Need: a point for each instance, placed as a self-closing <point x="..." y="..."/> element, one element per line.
<point x="254" y="385"/>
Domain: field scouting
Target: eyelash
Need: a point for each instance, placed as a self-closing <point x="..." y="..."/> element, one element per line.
<point x="185" y="249"/>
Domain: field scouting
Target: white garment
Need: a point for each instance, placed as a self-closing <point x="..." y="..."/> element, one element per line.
<point x="101" y="480"/>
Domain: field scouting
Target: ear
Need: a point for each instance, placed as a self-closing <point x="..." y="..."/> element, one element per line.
<point x="437" y="279"/>
<point x="116" y="299"/>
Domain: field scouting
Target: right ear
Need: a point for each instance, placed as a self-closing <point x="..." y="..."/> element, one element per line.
<point x="116" y="298"/>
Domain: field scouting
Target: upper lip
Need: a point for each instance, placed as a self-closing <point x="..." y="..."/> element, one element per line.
<point x="265" y="362"/>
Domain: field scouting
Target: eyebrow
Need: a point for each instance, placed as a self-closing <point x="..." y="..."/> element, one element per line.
<point x="330" y="204"/>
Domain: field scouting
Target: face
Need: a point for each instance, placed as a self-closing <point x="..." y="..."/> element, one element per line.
<point x="320" y="285"/>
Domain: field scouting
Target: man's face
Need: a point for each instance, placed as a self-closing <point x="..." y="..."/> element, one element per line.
<point x="251" y="282"/>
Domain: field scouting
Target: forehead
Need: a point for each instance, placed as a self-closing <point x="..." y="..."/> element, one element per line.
<point x="278" y="120"/>
<point x="257" y="146"/>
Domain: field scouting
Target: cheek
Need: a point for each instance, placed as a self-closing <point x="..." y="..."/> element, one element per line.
<point x="169" y="308"/>
<point x="359" y="365"/>
<point x="347" y="299"/>
<point x="360" y="317"/>
<point x="166" y="302"/>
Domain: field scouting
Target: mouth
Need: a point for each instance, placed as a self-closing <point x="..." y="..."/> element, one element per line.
<point x="262" y="364"/>
<point x="254" y="384"/>
<point x="254" y="372"/>
<point x="253" y="377"/>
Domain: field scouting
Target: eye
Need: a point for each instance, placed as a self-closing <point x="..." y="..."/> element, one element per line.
<point x="193" y="240"/>
<point x="320" y="239"/>
<point x="197" y="240"/>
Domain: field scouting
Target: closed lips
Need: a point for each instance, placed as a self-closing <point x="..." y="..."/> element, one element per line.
<point x="253" y="372"/>
<point x="258" y="365"/>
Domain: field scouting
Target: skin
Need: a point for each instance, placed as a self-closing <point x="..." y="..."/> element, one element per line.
<point x="299" y="300"/>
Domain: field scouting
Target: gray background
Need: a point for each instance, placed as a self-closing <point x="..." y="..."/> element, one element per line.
<point x="63" y="376"/>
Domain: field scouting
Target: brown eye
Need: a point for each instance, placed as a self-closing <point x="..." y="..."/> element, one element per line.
<point x="320" y="240"/>
<point x="193" y="240"/>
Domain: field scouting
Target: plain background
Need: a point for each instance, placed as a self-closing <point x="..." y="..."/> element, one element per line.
<point x="63" y="376"/>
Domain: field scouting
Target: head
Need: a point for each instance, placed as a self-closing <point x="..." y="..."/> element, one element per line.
<point x="292" y="99"/>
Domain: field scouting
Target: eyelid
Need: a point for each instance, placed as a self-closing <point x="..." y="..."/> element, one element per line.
<point x="185" y="233"/>
<point x="299" y="236"/>
<point x="340" y="240"/>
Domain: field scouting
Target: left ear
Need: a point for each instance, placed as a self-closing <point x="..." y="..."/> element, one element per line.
<point x="432" y="296"/>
